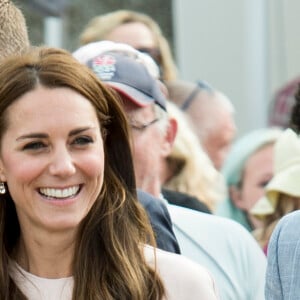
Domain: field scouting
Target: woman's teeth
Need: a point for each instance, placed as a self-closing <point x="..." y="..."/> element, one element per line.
<point x="60" y="193"/>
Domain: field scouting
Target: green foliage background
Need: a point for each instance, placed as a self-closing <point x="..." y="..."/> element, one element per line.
<point x="79" y="12"/>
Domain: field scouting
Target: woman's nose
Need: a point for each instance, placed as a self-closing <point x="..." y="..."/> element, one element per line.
<point x="62" y="163"/>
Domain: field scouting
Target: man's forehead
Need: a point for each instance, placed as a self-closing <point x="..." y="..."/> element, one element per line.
<point x="141" y="114"/>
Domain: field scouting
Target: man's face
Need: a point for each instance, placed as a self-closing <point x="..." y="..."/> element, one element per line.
<point x="217" y="141"/>
<point x="135" y="34"/>
<point x="149" y="146"/>
<point x="214" y="126"/>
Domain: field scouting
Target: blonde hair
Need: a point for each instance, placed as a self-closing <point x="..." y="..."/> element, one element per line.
<point x="286" y="204"/>
<point x="99" y="27"/>
<point x="13" y="30"/>
<point x="194" y="172"/>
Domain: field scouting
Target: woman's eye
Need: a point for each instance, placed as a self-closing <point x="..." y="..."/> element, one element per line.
<point x="264" y="183"/>
<point x="34" y="146"/>
<point x="83" y="140"/>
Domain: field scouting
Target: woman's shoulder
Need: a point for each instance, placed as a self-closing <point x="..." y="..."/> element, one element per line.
<point x="183" y="278"/>
<point x="286" y="231"/>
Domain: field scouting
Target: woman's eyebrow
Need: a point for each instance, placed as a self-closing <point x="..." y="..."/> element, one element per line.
<point x="32" y="135"/>
<point x="39" y="135"/>
<point x="79" y="130"/>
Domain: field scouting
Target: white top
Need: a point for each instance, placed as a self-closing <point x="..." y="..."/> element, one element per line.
<point x="37" y="288"/>
<point x="183" y="280"/>
<point x="225" y="248"/>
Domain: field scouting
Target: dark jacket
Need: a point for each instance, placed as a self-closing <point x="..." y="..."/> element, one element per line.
<point x="185" y="200"/>
<point x="160" y="221"/>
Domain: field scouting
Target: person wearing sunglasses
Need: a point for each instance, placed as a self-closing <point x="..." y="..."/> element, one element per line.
<point x="211" y="114"/>
<point x="137" y="30"/>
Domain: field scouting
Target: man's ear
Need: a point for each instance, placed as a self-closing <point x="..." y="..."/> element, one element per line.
<point x="169" y="137"/>
<point x="235" y="194"/>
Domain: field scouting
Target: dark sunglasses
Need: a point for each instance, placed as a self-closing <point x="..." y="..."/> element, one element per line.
<point x="153" y="52"/>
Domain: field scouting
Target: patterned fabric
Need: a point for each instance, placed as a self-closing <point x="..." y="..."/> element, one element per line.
<point x="13" y="30"/>
<point x="283" y="268"/>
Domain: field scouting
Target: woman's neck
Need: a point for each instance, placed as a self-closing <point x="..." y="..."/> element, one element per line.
<point x="48" y="255"/>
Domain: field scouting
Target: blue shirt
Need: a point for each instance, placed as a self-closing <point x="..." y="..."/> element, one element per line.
<point x="283" y="268"/>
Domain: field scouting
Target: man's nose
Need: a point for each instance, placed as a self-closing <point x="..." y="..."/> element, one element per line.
<point x="62" y="163"/>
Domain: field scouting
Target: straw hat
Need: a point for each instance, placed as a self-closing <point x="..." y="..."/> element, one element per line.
<point x="13" y="30"/>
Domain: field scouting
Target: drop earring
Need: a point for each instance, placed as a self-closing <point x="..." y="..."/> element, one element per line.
<point x="2" y="188"/>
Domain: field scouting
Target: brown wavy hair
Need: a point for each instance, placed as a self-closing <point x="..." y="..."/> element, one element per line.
<point x="109" y="261"/>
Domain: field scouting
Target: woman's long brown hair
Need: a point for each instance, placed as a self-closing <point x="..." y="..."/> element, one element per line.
<point x="109" y="262"/>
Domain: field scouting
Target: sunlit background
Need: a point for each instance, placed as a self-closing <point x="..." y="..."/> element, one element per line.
<point x="247" y="49"/>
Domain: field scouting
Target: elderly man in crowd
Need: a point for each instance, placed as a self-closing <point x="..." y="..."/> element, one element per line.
<point x="224" y="247"/>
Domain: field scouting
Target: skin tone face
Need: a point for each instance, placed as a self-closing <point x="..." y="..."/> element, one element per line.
<point x="150" y="147"/>
<point x="218" y="141"/>
<point x="214" y="126"/>
<point x="258" y="171"/>
<point x="135" y="34"/>
<point x="53" y="162"/>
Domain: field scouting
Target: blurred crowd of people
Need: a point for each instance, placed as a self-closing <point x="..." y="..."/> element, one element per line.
<point x="121" y="180"/>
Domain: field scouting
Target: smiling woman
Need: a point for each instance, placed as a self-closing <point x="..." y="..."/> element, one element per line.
<point x="50" y="168"/>
<point x="54" y="116"/>
<point x="71" y="226"/>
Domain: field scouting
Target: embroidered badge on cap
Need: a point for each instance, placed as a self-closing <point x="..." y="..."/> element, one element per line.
<point x="104" y="66"/>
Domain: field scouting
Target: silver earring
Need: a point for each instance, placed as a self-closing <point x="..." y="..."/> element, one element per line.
<point x="2" y="188"/>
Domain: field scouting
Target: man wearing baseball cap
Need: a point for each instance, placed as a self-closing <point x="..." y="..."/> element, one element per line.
<point x="116" y="70"/>
<point x="145" y="107"/>
<point x="133" y="76"/>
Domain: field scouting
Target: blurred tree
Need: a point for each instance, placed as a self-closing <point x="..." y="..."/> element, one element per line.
<point x="48" y="8"/>
<point x="77" y="13"/>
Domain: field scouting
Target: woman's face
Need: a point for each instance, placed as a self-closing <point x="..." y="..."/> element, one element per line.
<point x="52" y="158"/>
<point x="135" y="34"/>
<point x="258" y="171"/>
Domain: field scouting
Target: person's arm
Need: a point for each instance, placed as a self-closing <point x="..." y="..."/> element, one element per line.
<point x="273" y="288"/>
<point x="283" y="268"/>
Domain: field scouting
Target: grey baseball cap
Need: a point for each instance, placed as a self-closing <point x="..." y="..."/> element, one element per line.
<point x="128" y="76"/>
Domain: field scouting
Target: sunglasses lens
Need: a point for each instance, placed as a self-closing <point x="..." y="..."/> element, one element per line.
<point x="153" y="52"/>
